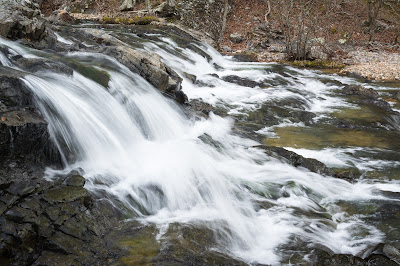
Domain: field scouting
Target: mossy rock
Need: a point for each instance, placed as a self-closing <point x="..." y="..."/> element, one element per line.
<point x="65" y="194"/>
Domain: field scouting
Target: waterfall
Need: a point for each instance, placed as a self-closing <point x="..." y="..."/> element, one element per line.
<point x="137" y="145"/>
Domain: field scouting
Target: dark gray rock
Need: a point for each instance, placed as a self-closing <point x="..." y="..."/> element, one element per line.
<point x="242" y="81"/>
<point x="366" y="96"/>
<point x="297" y="160"/>
<point x="360" y="91"/>
<point x="38" y="64"/>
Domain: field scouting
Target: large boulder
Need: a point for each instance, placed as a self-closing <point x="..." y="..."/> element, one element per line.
<point x="21" y="19"/>
<point x="23" y="131"/>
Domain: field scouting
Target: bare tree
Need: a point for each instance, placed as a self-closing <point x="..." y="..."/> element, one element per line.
<point x="296" y="18"/>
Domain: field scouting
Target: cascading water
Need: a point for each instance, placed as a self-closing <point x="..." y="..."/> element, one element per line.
<point x="137" y="145"/>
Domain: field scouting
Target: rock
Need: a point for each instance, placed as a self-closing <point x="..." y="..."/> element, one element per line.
<point x="249" y="57"/>
<point x="190" y="77"/>
<point x="360" y="91"/>
<point x="236" y="38"/>
<point x="21" y="19"/>
<point x="397" y="95"/>
<point x="66" y="194"/>
<point x="75" y="181"/>
<point x="318" y="53"/>
<point x="297" y="160"/>
<point x="38" y="64"/>
<point x="200" y="107"/>
<point x="367" y="96"/>
<point x="22" y="188"/>
<point x="242" y="81"/>
<point x="226" y="49"/>
<point x="47" y="258"/>
<point x="273" y="48"/>
<point x="321" y="257"/>
<point x="181" y="97"/>
<point x="148" y="65"/>
<point x="166" y="9"/>
<point x="61" y="17"/>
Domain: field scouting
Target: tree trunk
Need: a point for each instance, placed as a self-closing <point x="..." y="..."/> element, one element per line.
<point x="148" y="5"/>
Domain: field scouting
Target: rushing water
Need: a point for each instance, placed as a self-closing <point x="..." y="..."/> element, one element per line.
<point x="138" y="146"/>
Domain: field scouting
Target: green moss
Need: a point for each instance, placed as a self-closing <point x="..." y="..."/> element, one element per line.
<point x="95" y="74"/>
<point x="142" y="248"/>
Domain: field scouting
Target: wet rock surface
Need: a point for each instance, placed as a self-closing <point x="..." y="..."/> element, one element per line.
<point x="23" y="131"/>
<point x="366" y="96"/>
<point x="46" y="220"/>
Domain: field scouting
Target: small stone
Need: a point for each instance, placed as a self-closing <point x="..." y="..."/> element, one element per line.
<point x="236" y="38"/>
<point x="226" y="49"/>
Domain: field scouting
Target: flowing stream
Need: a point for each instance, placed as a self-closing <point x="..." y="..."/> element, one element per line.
<point x="167" y="167"/>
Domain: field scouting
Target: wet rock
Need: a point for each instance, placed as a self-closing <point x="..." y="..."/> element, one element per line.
<point x="360" y="91"/>
<point x="13" y="93"/>
<point x="397" y="95"/>
<point x="39" y="64"/>
<point x="20" y="215"/>
<point x="149" y="66"/>
<point x="66" y="244"/>
<point x="65" y="194"/>
<point x="321" y="257"/>
<point x="181" y="97"/>
<point x="367" y="96"/>
<point x="22" y="188"/>
<point x="297" y="160"/>
<point x="242" y="81"/>
<point x="23" y="132"/>
<point x="75" y="181"/>
<point x="236" y="38"/>
<point x="190" y="77"/>
<point x="47" y="258"/>
<point x="200" y="107"/>
<point x="245" y="57"/>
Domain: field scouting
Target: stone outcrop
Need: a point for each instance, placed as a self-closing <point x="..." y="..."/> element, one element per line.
<point x="23" y="131"/>
<point x="21" y="19"/>
<point x="146" y="64"/>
